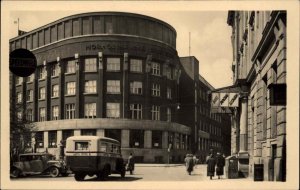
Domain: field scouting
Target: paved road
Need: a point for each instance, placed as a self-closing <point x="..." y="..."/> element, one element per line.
<point x="143" y="172"/>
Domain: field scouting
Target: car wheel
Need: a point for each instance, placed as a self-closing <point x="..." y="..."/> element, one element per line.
<point x="15" y="172"/>
<point x="54" y="172"/>
<point x="79" y="176"/>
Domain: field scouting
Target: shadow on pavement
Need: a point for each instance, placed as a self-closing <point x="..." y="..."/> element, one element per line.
<point x="116" y="178"/>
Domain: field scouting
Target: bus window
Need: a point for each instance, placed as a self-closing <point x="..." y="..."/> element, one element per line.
<point x="81" y="145"/>
<point x="112" y="148"/>
<point x="103" y="147"/>
<point x="118" y="149"/>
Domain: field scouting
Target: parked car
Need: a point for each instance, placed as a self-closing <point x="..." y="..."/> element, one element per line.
<point x="38" y="163"/>
<point x="92" y="155"/>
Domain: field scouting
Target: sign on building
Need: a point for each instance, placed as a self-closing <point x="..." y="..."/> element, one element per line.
<point x="223" y="102"/>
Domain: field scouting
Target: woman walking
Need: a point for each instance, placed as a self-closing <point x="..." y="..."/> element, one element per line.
<point x="220" y="161"/>
<point x="189" y="163"/>
<point x="211" y="163"/>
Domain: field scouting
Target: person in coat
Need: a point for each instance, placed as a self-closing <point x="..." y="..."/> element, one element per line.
<point x="130" y="164"/>
<point x="189" y="163"/>
<point x="220" y="162"/>
<point x="211" y="163"/>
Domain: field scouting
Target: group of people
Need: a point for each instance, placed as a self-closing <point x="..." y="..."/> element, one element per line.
<point x="215" y="164"/>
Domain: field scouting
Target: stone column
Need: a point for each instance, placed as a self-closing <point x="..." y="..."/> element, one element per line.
<point x="59" y="137"/>
<point x="243" y="124"/>
<point x="46" y="139"/>
<point x="77" y="132"/>
<point x="78" y="86"/>
<point x="165" y="140"/>
<point x="100" y="132"/>
<point x="100" y="87"/>
<point x="148" y="139"/>
<point x="125" y="138"/>
<point x="243" y="155"/>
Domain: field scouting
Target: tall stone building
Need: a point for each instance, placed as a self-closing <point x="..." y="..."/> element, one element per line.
<point x="259" y="73"/>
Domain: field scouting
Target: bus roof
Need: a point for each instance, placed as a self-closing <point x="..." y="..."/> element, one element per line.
<point x="93" y="138"/>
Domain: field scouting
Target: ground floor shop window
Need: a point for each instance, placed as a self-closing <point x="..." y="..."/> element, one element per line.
<point x="156" y="139"/>
<point x="65" y="135"/>
<point x="88" y="132"/>
<point x="39" y="139"/>
<point x="113" y="133"/>
<point x="136" y="139"/>
<point x="52" y="139"/>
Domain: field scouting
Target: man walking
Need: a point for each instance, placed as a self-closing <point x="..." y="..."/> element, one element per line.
<point x="130" y="164"/>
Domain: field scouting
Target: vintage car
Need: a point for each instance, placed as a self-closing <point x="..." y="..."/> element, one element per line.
<point x="93" y="155"/>
<point x="38" y="163"/>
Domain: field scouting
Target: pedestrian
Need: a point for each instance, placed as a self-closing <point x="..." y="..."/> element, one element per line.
<point x="220" y="162"/>
<point x="130" y="164"/>
<point x="211" y="163"/>
<point x="189" y="163"/>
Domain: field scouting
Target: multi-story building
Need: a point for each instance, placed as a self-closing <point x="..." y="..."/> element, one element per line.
<point x="107" y="74"/>
<point x="259" y="64"/>
<point x="209" y="130"/>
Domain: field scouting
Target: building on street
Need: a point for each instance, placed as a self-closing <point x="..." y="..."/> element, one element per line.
<point x="259" y="76"/>
<point x="117" y="75"/>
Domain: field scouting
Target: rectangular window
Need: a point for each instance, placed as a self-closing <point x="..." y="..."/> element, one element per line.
<point x="19" y="80"/>
<point x="168" y="72"/>
<point x="55" y="90"/>
<point x="113" y="64"/>
<point x="55" y="112"/>
<point x="112" y="110"/>
<point x="29" y="116"/>
<point x="19" y="97"/>
<point x="155" y="67"/>
<point x="71" y="88"/>
<point x="113" y="87"/>
<point x="156" y="139"/>
<point x="29" y="97"/>
<point x="90" y="110"/>
<point x="136" y="111"/>
<point x="81" y="145"/>
<point x="66" y="134"/>
<point x="52" y="139"/>
<point x="90" y="86"/>
<point x="155" y="90"/>
<point x="42" y="93"/>
<point x="155" y="111"/>
<point x="19" y="115"/>
<point x="42" y="72"/>
<point x="42" y="114"/>
<point x="169" y="93"/>
<point x="90" y="65"/>
<point x="136" y="65"/>
<point x="88" y="132"/>
<point x="71" y="66"/>
<point x="136" y="87"/>
<point x="39" y="139"/>
<point x="70" y="111"/>
<point x="169" y="114"/>
<point x="30" y="78"/>
<point x="136" y="138"/>
<point x="54" y="70"/>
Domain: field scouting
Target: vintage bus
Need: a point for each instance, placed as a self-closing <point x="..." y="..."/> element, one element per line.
<point x="93" y="155"/>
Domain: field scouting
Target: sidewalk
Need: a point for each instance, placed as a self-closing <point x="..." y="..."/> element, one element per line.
<point x="157" y="165"/>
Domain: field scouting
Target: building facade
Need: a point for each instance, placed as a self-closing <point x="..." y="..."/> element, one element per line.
<point x="108" y="74"/>
<point x="259" y="62"/>
<point x="209" y="130"/>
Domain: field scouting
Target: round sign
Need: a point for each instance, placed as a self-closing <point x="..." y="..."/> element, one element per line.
<point x="22" y="62"/>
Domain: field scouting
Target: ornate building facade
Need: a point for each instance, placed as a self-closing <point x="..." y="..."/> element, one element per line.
<point x="259" y="64"/>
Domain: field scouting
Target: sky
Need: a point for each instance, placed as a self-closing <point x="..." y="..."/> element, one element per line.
<point x="210" y="36"/>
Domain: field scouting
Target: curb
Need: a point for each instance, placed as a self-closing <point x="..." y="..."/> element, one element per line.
<point x="158" y="165"/>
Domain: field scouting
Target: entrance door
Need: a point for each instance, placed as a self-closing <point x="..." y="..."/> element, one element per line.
<point x="272" y="165"/>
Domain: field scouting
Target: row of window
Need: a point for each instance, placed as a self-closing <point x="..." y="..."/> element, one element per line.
<point x="90" y="65"/>
<point x="136" y="138"/>
<point x="90" y="111"/>
<point x="205" y="144"/>
<point x="112" y="87"/>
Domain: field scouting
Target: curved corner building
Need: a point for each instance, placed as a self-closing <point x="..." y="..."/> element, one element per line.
<point x="107" y="74"/>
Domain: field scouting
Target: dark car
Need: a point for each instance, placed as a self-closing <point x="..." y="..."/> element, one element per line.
<point x="38" y="163"/>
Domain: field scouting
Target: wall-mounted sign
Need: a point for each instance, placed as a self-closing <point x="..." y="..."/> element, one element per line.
<point x="277" y="94"/>
<point x="224" y="102"/>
